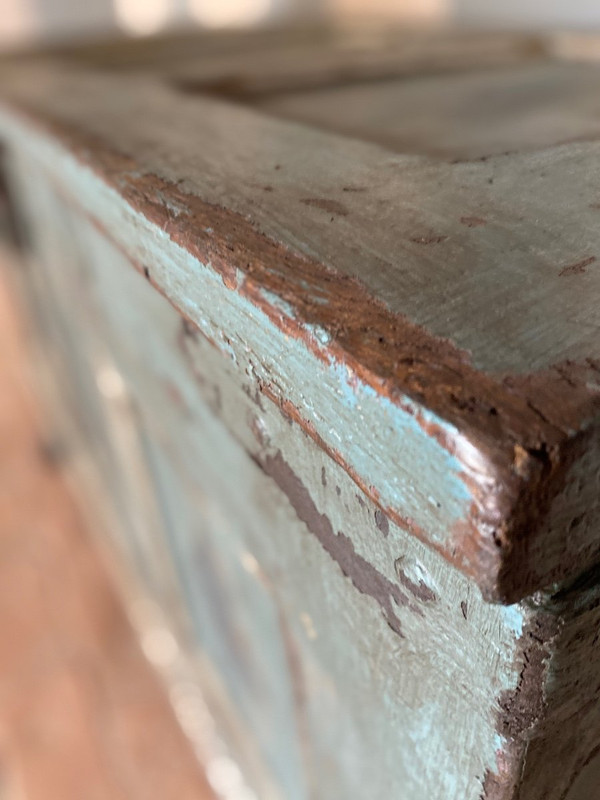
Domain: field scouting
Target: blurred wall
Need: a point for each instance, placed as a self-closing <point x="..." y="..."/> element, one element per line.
<point x="544" y="13"/>
<point x="23" y="20"/>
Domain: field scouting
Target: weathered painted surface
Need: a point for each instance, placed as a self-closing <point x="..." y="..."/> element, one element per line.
<point x="400" y="650"/>
<point x="206" y="192"/>
<point x="335" y="463"/>
<point x="334" y="631"/>
<point x="513" y="451"/>
<point x="331" y="396"/>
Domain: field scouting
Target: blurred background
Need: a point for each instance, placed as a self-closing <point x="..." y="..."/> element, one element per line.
<point x="23" y="21"/>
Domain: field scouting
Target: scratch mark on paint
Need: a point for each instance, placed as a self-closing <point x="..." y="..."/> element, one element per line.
<point x="577" y="269"/>
<point x="331" y="206"/>
<point x="473" y="222"/>
<point x="382" y="522"/>
<point x="431" y="239"/>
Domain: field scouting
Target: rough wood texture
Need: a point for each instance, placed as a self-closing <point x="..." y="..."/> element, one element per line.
<point x="371" y="406"/>
<point x="317" y="569"/>
<point x="276" y="211"/>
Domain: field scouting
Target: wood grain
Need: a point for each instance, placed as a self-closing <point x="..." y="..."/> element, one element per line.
<point x="375" y="289"/>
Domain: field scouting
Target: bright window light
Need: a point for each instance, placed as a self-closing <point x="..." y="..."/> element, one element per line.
<point x="226" y="13"/>
<point x="142" y="17"/>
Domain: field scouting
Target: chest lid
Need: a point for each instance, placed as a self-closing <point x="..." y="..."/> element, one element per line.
<point x="404" y="228"/>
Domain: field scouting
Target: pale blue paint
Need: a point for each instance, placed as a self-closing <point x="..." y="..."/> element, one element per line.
<point x="390" y="451"/>
<point x="512" y="616"/>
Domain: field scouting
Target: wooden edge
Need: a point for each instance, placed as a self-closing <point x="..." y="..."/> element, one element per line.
<point x="529" y="431"/>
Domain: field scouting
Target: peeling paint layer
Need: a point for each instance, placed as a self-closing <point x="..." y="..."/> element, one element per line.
<point x="362" y="574"/>
<point x="480" y="420"/>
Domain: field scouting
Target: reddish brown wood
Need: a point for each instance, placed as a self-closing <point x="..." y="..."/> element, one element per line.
<point x="82" y="713"/>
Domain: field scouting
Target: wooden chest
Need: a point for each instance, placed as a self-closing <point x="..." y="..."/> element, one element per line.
<point x="322" y="309"/>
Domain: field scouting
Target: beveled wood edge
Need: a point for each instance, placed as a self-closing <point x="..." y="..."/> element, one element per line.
<point x="501" y="543"/>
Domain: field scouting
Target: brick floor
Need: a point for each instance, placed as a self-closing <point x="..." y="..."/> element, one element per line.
<point x="82" y="714"/>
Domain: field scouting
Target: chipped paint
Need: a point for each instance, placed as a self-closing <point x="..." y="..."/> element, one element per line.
<point x="491" y="539"/>
<point x="402" y="427"/>
<point x="307" y="546"/>
<point x="487" y="469"/>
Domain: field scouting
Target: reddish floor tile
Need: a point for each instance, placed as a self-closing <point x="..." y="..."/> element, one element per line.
<point x="82" y="714"/>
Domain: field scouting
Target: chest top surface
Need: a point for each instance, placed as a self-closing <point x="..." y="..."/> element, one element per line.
<point x="420" y="210"/>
